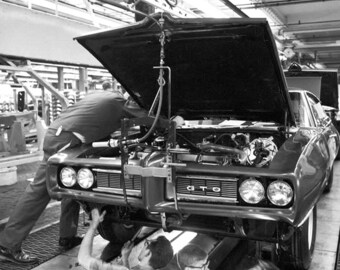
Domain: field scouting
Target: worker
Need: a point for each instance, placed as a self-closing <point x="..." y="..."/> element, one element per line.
<point x="107" y="86"/>
<point x="253" y="263"/>
<point x="155" y="254"/>
<point x="93" y="118"/>
<point x="189" y="257"/>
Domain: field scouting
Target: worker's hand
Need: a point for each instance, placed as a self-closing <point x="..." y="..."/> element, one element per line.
<point x="126" y="250"/>
<point x="179" y="120"/>
<point x="96" y="217"/>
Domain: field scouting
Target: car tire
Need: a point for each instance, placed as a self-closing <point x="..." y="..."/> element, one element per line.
<point x="329" y="182"/>
<point x="299" y="251"/>
<point x="116" y="232"/>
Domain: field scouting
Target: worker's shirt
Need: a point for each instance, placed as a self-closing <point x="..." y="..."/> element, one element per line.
<point x="100" y="265"/>
<point x="97" y="264"/>
<point x="94" y="117"/>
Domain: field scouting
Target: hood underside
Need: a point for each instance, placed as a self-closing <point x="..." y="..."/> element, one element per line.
<point x="223" y="68"/>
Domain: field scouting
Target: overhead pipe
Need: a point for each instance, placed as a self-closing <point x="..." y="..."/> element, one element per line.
<point x="309" y="30"/>
<point x="279" y="3"/>
<point x="312" y="47"/>
<point x="314" y="38"/>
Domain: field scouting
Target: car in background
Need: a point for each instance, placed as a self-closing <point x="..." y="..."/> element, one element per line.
<point x="322" y="82"/>
<point x="226" y="149"/>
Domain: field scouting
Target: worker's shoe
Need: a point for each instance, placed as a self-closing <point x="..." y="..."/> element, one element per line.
<point x="17" y="256"/>
<point x="69" y="242"/>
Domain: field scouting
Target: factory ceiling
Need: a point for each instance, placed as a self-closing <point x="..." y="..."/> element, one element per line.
<point x="307" y="31"/>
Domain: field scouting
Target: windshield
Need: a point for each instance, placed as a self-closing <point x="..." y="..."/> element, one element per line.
<point x="300" y="110"/>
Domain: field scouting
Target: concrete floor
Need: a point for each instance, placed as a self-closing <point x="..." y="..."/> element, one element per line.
<point x="328" y="226"/>
<point x="68" y="260"/>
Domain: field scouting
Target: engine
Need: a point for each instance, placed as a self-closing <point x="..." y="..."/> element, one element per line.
<point x="253" y="149"/>
<point x="226" y="149"/>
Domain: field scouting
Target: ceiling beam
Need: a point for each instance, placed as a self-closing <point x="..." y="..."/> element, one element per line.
<point x="317" y="47"/>
<point x="235" y="9"/>
<point x="90" y="12"/>
<point x="300" y="30"/>
<point x="306" y="39"/>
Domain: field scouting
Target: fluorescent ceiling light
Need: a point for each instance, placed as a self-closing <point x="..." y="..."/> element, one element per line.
<point x="208" y="9"/>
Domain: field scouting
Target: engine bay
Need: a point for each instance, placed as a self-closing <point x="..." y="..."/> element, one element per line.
<point x="202" y="144"/>
<point x="227" y="148"/>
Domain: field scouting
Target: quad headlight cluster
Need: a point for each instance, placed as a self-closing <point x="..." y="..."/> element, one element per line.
<point x="279" y="192"/>
<point x="69" y="177"/>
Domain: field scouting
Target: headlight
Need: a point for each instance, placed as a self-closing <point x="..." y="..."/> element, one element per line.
<point x="280" y="193"/>
<point x="251" y="191"/>
<point x="85" y="178"/>
<point x="68" y="176"/>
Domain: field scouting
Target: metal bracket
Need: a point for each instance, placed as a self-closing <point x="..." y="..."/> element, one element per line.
<point x="239" y="227"/>
<point x="146" y="172"/>
<point x="163" y="220"/>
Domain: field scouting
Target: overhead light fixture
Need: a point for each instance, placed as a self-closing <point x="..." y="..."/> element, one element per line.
<point x="207" y="9"/>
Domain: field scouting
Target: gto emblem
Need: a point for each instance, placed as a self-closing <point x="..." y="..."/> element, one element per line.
<point x="204" y="188"/>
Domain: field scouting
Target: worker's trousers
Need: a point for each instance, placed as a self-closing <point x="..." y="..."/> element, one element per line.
<point x="35" y="199"/>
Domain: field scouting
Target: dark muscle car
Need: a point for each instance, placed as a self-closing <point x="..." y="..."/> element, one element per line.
<point x="226" y="148"/>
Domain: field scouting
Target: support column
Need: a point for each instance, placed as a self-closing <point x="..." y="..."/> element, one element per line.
<point x="43" y="105"/>
<point x="83" y="87"/>
<point x="15" y="100"/>
<point x="60" y="78"/>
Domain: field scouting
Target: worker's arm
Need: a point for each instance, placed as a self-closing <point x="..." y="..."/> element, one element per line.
<point x="126" y="250"/>
<point x="85" y="257"/>
<point x="85" y="251"/>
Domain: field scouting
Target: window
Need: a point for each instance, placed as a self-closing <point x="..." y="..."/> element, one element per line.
<point x="317" y="110"/>
<point x="300" y="110"/>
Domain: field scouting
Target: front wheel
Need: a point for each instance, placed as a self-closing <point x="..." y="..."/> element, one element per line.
<point x="297" y="253"/>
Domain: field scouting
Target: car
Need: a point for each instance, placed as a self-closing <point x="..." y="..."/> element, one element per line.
<point x="322" y="82"/>
<point x="226" y="149"/>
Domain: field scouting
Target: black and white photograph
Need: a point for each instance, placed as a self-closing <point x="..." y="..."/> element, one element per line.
<point x="169" y="135"/>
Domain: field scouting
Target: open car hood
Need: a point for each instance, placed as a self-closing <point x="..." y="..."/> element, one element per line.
<point x="223" y="68"/>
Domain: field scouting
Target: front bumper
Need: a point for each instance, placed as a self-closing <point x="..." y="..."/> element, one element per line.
<point x="172" y="212"/>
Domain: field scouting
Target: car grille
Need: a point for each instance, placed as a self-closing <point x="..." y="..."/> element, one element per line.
<point x="109" y="181"/>
<point x="201" y="188"/>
